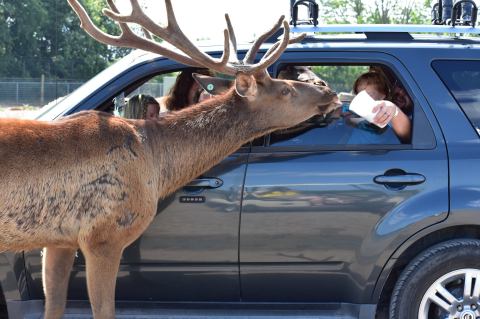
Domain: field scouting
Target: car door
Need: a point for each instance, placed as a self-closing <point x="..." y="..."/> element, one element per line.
<point x="321" y="217"/>
<point x="190" y="250"/>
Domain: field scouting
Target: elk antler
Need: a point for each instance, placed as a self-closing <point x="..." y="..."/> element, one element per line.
<point x="272" y="49"/>
<point x="190" y="54"/>
<point x="250" y="56"/>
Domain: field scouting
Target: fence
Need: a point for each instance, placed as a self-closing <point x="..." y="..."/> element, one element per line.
<point x="34" y="92"/>
<point x="153" y="89"/>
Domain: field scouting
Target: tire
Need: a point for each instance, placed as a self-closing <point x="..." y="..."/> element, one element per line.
<point x="432" y="286"/>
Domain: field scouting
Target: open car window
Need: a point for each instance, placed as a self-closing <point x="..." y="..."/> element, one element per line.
<point x="342" y="127"/>
<point x="156" y="86"/>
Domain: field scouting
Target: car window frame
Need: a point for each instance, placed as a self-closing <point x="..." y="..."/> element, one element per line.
<point x="131" y="77"/>
<point x="128" y="81"/>
<point x="423" y="136"/>
<point x="448" y="87"/>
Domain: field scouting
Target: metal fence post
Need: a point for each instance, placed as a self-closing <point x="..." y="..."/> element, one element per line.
<point x="42" y="89"/>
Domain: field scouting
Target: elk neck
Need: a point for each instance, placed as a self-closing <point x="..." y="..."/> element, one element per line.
<point x="186" y="143"/>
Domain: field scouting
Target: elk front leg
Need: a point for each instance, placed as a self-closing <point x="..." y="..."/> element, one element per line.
<point x="102" y="264"/>
<point x="57" y="264"/>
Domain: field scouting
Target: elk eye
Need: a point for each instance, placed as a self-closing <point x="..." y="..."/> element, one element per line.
<point x="285" y="91"/>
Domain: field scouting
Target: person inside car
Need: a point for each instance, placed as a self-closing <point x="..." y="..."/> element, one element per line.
<point x="397" y="125"/>
<point x="185" y="92"/>
<point x="399" y="95"/>
<point x="142" y="106"/>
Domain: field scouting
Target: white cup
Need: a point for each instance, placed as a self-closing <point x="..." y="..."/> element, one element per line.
<point x="362" y="105"/>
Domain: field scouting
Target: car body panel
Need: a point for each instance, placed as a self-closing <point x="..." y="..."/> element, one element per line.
<point x="294" y="225"/>
<point x="325" y="223"/>
<point x="316" y="219"/>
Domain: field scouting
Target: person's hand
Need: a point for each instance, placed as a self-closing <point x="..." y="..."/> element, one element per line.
<point x="385" y="112"/>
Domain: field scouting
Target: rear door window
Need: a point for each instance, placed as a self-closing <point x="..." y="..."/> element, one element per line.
<point x="462" y="78"/>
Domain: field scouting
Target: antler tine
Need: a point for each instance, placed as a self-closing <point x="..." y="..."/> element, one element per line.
<point x="190" y="54"/>
<point x="297" y="39"/>
<point x="123" y="26"/>
<point x="267" y="61"/>
<point x="250" y="56"/>
<point x="174" y="35"/>
<point x="233" y="39"/>
<point x="127" y="38"/>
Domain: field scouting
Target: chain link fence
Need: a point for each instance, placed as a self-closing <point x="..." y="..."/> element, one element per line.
<point x="33" y="92"/>
<point x="36" y="93"/>
<point x="153" y="89"/>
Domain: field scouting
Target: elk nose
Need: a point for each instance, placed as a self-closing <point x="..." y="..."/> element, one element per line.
<point x="329" y="91"/>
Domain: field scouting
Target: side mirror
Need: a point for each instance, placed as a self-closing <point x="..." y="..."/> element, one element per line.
<point x="213" y="85"/>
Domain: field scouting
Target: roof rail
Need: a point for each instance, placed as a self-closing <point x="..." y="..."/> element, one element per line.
<point x="385" y="28"/>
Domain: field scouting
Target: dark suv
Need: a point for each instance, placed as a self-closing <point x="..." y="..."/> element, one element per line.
<point x="303" y="223"/>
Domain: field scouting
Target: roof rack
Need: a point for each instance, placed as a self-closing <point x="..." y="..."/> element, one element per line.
<point x="463" y="12"/>
<point x="385" y="28"/>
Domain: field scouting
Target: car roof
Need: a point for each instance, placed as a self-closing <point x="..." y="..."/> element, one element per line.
<point x="385" y="41"/>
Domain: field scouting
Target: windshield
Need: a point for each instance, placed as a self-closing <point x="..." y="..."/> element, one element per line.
<point x="61" y="105"/>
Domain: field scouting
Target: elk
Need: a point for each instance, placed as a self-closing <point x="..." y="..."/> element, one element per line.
<point x="92" y="181"/>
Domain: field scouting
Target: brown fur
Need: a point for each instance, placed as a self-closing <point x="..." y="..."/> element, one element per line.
<point x="91" y="181"/>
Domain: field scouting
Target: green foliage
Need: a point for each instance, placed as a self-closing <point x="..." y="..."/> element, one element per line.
<point x="382" y="11"/>
<point x="44" y="37"/>
<point x="21" y="35"/>
<point x="340" y="78"/>
<point x="342" y="11"/>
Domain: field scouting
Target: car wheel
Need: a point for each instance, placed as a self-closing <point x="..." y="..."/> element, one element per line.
<point x="442" y="282"/>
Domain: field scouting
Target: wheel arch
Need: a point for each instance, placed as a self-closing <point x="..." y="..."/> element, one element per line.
<point x="411" y="248"/>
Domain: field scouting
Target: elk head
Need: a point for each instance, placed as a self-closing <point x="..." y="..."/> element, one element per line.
<point x="282" y="103"/>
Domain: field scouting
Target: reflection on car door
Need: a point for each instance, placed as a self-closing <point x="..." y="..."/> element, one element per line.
<point x="319" y="221"/>
<point x="314" y="224"/>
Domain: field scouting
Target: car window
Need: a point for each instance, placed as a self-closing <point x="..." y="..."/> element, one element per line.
<point x="156" y="86"/>
<point x="341" y="127"/>
<point x="462" y="78"/>
<point x="160" y="87"/>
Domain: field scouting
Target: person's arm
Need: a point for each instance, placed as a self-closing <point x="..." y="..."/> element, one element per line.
<point x="389" y="112"/>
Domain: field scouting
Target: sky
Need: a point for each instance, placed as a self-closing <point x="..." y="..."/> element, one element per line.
<point x="205" y="18"/>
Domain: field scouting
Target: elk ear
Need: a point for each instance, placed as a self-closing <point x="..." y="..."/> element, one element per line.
<point x="261" y="76"/>
<point x="245" y="85"/>
<point x="212" y="85"/>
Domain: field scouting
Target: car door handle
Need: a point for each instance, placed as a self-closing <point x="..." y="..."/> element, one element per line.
<point x="400" y="180"/>
<point x="212" y="182"/>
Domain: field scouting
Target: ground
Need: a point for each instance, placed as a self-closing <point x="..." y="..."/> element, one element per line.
<point x="18" y="112"/>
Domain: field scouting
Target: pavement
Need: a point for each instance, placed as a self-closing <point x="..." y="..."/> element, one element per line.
<point x="33" y="309"/>
<point x="14" y="112"/>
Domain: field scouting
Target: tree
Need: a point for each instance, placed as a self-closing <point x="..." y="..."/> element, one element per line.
<point x="359" y="10"/>
<point x="44" y="37"/>
<point x="76" y="54"/>
<point x="407" y="12"/>
<point x="383" y="11"/>
<point x="21" y="36"/>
